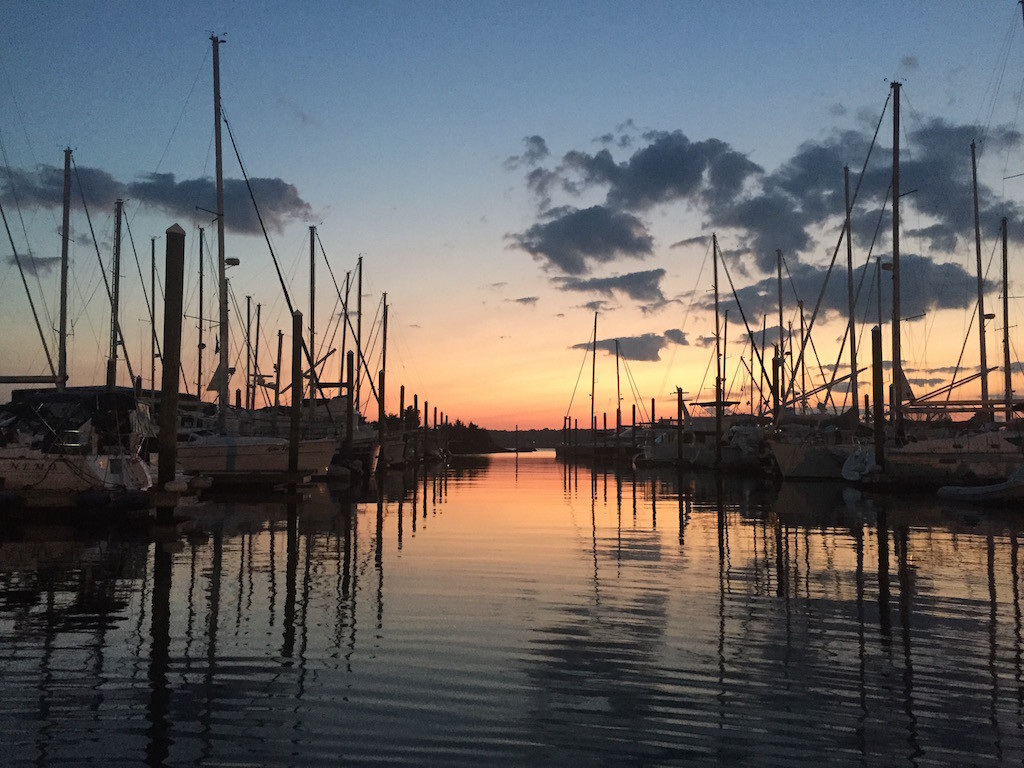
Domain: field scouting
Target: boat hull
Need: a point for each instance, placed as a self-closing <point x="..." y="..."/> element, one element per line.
<point x="230" y="454"/>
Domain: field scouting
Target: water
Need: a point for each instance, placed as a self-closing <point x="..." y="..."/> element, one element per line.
<point x="518" y="613"/>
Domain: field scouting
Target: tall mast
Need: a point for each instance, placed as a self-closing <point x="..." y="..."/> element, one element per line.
<point x="782" y="337"/>
<point x="62" y="341"/>
<point x="115" y="278"/>
<point x="359" y="330"/>
<point x="312" y="313"/>
<point x="248" y="352"/>
<point x="152" y="318"/>
<point x="896" y="406"/>
<point x="593" y="386"/>
<point x="222" y="278"/>
<point x="981" y="281"/>
<point x="1007" y="371"/>
<point x="201" y="346"/>
<point x="851" y="308"/>
<point x="718" y="355"/>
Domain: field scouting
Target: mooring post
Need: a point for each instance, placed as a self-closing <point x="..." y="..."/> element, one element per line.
<point x="632" y="432"/>
<point x="380" y="416"/>
<point x="350" y="405"/>
<point x="296" y="409"/>
<point x="679" y="425"/>
<point x="168" y="438"/>
<point x="879" y="395"/>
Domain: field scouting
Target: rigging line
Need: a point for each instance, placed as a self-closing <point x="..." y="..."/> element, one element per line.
<point x="807" y="336"/>
<point x="637" y="400"/>
<point x="24" y="229"/>
<point x="592" y="339"/>
<point x="35" y="316"/>
<point x="335" y="323"/>
<point x="99" y="258"/>
<point x="359" y="347"/>
<point x="145" y="293"/>
<point x="686" y="315"/>
<point x="343" y="318"/>
<point x="743" y="316"/>
<point x="273" y="256"/>
<point x="835" y="253"/>
<point x="632" y="383"/>
<point x="199" y="73"/>
<point x="266" y="235"/>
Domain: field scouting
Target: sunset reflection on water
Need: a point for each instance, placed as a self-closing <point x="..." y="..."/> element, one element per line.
<point x="515" y="610"/>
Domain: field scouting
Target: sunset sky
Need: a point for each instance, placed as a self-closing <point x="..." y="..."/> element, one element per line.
<point x="506" y="170"/>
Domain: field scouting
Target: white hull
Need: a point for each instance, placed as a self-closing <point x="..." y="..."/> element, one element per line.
<point x="227" y="454"/>
<point x="59" y="477"/>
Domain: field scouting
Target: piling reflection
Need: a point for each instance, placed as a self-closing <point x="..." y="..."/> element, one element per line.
<point x="522" y="612"/>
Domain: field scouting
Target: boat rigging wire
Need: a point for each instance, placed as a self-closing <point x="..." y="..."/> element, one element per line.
<point x="348" y="322"/>
<point x="103" y="274"/>
<point x="35" y="316"/>
<point x="24" y="230"/>
<point x="835" y="253"/>
<point x="593" y="340"/>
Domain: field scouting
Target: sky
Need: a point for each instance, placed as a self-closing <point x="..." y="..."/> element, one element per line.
<point x="507" y="170"/>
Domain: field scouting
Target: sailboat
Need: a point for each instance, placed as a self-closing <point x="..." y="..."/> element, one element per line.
<point x="71" y="446"/>
<point x="225" y="454"/>
<point x="992" y="454"/>
<point x="721" y="441"/>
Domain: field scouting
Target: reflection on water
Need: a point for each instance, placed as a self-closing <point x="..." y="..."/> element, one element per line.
<point x="517" y="610"/>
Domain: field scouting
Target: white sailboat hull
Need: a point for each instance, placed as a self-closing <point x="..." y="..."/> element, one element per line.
<point x="59" y="477"/>
<point x="225" y="454"/>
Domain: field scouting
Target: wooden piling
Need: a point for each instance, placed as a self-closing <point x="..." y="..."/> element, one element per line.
<point x="296" y="410"/>
<point x="168" y="437"/>
<point x="878" y="392"/>
<point x="350" y="406"/>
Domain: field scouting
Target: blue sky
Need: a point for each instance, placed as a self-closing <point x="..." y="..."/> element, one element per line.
<point x="395" y="124"/>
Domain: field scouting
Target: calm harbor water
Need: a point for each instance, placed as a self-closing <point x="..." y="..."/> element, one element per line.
<point x="518" y="612"/>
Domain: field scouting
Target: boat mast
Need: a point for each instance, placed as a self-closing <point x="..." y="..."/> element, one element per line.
<point x="718" y="355"/>
<point x="201" y="346"/>
<point x="896" y="404"/>
<point x="618" y="393"/>
<point x="1007" y="371"/>
<point x="62" y="340"/>
<point x="359" y="334"/>
<point x="593" y="385"/>
<point x="852" y="327"/>
<point x="312" y="314"/>
<point x="981" y="281"/>
<point x="115" y="278"/>
<point x="152" y="318"/>
<point x="782" y="338"/>
<point x="222" y="280"/>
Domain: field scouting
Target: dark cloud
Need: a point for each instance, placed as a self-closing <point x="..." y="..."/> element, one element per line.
<point x="44" y="187"/>
<point x="670" y="167"/>
<point x="793" y="208"/>
<point x="640" y="286"/>
<point x="535" y="152"/>
<point x="646" y="348"/>
<point x="677" y="337"/>
<point x="573" y="238"/>
<point x="701" y="240"/>
<point x="925" y="286"/>
<point x="35" y="265"/>
<point x="279" y="202"/>
<point x="526" y="300"/>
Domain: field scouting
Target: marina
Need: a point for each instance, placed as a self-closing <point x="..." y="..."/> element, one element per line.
<point x="530" y="402"/>
<point x="514" y="611"/>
